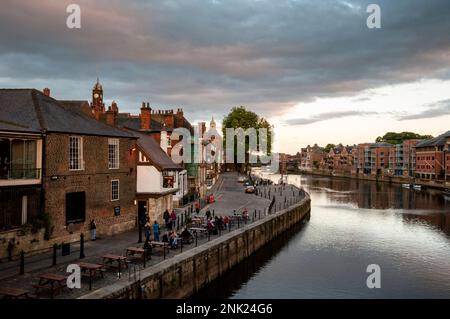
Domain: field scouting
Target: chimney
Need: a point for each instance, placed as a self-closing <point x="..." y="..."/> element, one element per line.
<point x="168" y="119"/>
<point x="179" y="118"/>
<point x="46" y="91"/>
<point x="111" y="117"/>
<point x="146" y="116"/>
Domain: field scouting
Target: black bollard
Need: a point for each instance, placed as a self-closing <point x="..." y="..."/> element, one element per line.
<point x="178" y="223"/>
<point x="55" y="247"/>
<point x="238" y="222"/>
<point x="164" y="251"/>
<point x="82" y="246"/>
<point x="209" y="235"/>
<point x="140" y="232"/>
<point x="22" y="262"/>
<point x="214" y="213"/>
<point x="10" y="250"/>
<point x="181" y="244"/>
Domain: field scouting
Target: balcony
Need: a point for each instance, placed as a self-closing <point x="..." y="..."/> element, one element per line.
<point x="29" y="176"/>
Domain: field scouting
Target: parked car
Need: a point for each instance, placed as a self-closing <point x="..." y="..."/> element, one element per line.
<point x="242" y="179"/>
<point x="250" y="189"/>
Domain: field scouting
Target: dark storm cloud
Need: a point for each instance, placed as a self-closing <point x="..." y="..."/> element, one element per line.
<point x="207" y="56"/>
<point x="438" y="109"/>
<point x="327" y="116"/>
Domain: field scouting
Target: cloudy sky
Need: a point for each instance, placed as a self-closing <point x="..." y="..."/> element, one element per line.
<point x="311" y="67"/>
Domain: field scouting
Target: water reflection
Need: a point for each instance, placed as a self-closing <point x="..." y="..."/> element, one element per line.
<point x="428" y="206"/>
<point x="353" y="224"/>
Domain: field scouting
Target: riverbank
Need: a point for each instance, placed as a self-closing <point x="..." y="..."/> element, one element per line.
<point x="384" y="179"/>
<point x="186" y="273"/>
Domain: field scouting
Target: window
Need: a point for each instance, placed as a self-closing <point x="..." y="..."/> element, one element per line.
<point x="18" y="159"/>
<point x="75" y="207"/>
<point x="113" y="153"/>
<point x="75" y="153"/>
<point x="114" y="189"/>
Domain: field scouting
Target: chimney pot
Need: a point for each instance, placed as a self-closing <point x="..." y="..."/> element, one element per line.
<point x="46" y="91"/>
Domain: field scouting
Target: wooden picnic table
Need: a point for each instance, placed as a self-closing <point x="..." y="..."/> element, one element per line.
<point x="161" y="244"/>
<point x="108" y="260"/>
<point x="91" y="270"/>
<point x="137" y="253"/>
<point x="53" y="282"/>
<point x="13" y="293"/>
<point x="201" y="230"/>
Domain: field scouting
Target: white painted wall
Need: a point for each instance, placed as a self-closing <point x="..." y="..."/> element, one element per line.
<point x="149" y="179"/>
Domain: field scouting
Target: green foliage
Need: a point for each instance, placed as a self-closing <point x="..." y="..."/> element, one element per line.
<point x="398" y="138"/>
<point x="43" y="221"/>
<point x="240" y="117"/>
<point x="329" y="147"/>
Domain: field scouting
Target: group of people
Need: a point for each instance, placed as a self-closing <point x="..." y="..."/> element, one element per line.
<point x="170" y="219"/>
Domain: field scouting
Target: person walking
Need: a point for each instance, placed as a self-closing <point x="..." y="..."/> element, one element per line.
<point x="147" y="228"/>
<point x="166" y="217"/>
<point x="156" y="231"/>
<point x="93" y="227"/>
<point x="173" y="219"/>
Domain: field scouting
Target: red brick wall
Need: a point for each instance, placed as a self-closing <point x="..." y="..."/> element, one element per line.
<point x="94" y="180"/>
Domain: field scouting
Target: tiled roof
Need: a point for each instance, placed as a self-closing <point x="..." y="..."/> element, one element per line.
<point x="30" y="111"/>
<point x="437" y="141"/>
<point x="154" y="152"/>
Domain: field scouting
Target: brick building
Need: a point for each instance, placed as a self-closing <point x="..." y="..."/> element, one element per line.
<point x="402" y="158"/>
<point x="88" y="167"/>
<point x="433" y="158"/>
<point x="372" y="159"/>
<point x="312" y="157"/>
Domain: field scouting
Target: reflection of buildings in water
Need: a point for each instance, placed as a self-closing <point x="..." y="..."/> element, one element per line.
<point x="366" y="194"/>
<point x="440" y="221"/>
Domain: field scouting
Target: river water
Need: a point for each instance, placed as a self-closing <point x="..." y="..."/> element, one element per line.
<point x="352" y="224"/>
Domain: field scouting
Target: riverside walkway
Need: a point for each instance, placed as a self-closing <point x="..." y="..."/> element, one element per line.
<point x="229" y="196"/>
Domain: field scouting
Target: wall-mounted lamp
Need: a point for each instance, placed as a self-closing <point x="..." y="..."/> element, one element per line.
<point x="54" y="178"/>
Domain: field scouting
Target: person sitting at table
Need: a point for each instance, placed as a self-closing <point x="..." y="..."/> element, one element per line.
<point x="245" y="214"/>
<point x="165" y="237"/>
<point x="147" y="247"/>
<point x="226" y="221"/>
<point x="173" y="240"/>
<point x="186" y="236"/>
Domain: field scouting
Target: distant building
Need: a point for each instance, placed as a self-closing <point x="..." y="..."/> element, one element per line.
<point x="312" y="158"/>
<point x="372" y="159"/>
<point x="402" y="158"/>
<point x="433" y="158"/>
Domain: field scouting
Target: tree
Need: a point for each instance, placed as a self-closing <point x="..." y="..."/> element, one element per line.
<point x="240" y="117"/>
<point x="329" y="147"/>
<point x="398" y="138"/>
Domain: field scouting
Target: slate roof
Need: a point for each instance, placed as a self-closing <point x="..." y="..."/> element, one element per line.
<point x="134" y="123"/>
<point x="154" y="152"/>
<point x="437" y="141"/>
<point x="30" y="111"/>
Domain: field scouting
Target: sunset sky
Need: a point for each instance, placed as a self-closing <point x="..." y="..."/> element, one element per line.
<point x="312" y="68"/>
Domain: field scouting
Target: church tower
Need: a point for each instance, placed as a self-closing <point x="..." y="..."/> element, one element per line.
<point x="97" y="97"/>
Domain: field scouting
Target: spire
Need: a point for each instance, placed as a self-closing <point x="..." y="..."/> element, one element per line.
<point x="212" y="124"/>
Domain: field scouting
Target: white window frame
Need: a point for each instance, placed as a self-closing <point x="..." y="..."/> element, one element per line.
<point x="115" y="162"/>
<point x="118" y="190"/>
<point x="80" y="153"/>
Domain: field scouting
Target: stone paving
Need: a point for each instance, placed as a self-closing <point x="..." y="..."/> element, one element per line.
<point x="229" y="196"/>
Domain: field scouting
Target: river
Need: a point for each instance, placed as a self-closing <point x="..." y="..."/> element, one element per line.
<point x="353" y="224"/>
